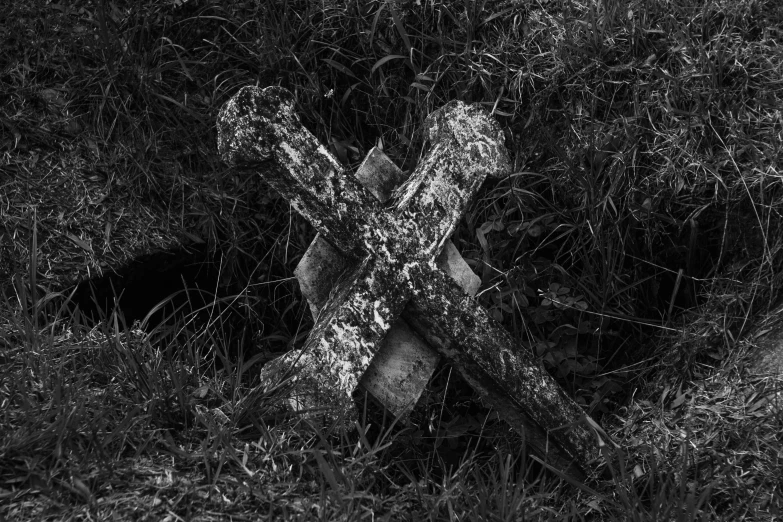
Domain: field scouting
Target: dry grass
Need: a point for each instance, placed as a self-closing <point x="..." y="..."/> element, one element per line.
<point x="633" y="248"/>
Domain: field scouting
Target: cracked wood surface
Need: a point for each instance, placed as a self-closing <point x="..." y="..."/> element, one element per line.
<point x="394" y="251"/>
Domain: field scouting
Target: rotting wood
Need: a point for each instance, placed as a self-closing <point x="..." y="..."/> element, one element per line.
<point x="394" y="253"/>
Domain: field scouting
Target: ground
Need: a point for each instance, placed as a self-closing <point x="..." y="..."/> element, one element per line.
<point x="635" y="249"/>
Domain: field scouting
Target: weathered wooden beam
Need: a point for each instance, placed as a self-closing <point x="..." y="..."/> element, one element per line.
<point x="255" y="130"/>
<point x="392" y="268"/>
<point x="356" y="318"/>
<point x="425" y="217"/>
<point x="504" y="373"/>
<point x="404" y="362"/>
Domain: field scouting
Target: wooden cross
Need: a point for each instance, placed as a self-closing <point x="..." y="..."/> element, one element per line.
<point x="392" y="251"/>
<point x="403" y="363"/>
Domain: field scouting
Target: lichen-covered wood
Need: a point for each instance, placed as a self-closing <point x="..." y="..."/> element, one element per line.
<point x="402" y="366"/>
<point x="504" y="374"/>
<point x="393" y="251"/>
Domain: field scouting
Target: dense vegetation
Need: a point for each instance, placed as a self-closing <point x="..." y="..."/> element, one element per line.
<point x="632" y="248"/>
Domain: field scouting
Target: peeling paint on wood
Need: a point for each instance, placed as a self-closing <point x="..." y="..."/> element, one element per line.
<point x="393" y="270"/>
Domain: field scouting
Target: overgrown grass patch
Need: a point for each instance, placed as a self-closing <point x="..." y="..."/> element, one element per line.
<point x="631" y="248"/>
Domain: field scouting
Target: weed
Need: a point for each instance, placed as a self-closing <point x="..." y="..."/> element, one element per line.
<point x="631" y="248"/>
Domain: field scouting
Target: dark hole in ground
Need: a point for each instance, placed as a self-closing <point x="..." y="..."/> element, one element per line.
<point x="190" y="275"/>
<point x="234" y="302"/>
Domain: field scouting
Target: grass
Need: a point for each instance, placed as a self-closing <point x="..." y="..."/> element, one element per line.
<point x="633" y="248"/>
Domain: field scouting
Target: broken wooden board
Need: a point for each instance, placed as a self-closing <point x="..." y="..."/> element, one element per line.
<point x="391" y="252"/>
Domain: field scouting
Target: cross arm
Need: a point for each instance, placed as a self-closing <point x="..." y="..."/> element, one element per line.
<point x="258" y="128"/>
<point x="466" y="146"/>
<point x="504" y="373"/>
